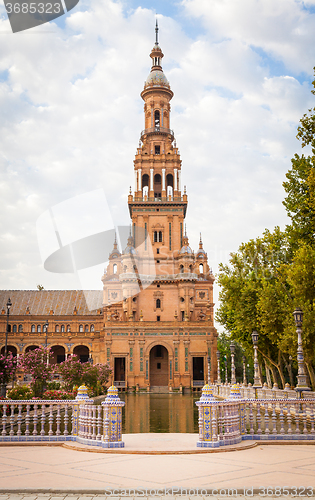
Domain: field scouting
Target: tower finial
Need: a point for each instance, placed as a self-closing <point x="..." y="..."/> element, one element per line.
<point x="156" y="32"/>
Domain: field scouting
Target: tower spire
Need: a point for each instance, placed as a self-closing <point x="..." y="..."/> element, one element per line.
<point x="156" y="32"/>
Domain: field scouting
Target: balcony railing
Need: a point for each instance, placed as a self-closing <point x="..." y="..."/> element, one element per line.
<point x="157" y="130"/>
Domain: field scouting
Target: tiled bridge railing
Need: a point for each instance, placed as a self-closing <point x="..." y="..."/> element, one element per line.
<point x="249" y="392"/>
<point x="75" y="420"/>
<point x="236" y="419"/>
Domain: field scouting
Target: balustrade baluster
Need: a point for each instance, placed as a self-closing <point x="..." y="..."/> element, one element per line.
<point x="50" y="419"/>
<point x="251" y="419"/>
<point x="312" y="417"/>
<point x="19" y="420"/>
<point x="289" y="418"/>
<point x="99" y="423"/>
<point x="304" y="417"/>
<point x="58" y="420"/>
<point x="267" y="431"/>
<point x="35" y="421"/>
<point x="258" y="418"/>
<point x="274" y="418"/>
<point x="43" y="419"/>
<point x="94" y="423"/>
<point x="27" y="420"/>
<point x="65" y="421"/>
<point x="297" y="419"/>
<point x="12" y="420"/>
<point x="281" y="403"/>
<point x="4" y="419"/>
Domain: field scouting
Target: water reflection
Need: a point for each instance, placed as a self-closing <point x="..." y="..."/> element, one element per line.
<point x="159" y="413"/>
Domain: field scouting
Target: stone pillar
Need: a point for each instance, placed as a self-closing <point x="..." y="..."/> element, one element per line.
<point x="112" y="407"/>
<point x="82" y="397"/>
<point x="207" y="419"/>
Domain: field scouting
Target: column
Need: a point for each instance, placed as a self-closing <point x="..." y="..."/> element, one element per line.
<point x="136" y="182"/>
<point x="175" y="179"/>
<point x="179" y="175"/>
<point x="139" y="180"/>
<point x="163" y="182"/>
<point x="151" y="179"/>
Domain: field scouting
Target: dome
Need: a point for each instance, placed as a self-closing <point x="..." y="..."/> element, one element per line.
<point x="129" y="250"/>
<point x="157" y="77"/>
<point x="186" y="249"/>
<point x="201" y="253"/>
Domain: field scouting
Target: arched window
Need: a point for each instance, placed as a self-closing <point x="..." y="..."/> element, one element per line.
<point x="190" y="268"/>
<point x="181" y="269"/>
<point x="201" y="268"/>
<point x="158" y="303"/>
<point x="39" y="328"/>
<point x="57" y="328"/>
<point x="62" y="328"/>
<point x="92" y="328"/>
<point x="156" y="118"/>
<point x="160" y="237"/>
<point x="86" y="328"/>
<point x="155" y="236"/>
<point x="14" y="329"/>
<point x="145" y="185"/>
<point x="33" y="329"/>
<point x="169" y="185"/>
<point x="20" y="328"/>
<point x="68" y="328"/>
<point x="81" y="328"/>
<point x="115" y="268"/>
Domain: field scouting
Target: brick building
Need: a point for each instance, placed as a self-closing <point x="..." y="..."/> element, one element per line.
<point x="154" y="324"/>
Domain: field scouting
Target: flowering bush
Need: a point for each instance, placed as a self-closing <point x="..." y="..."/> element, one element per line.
<point x="58" y="394"/>
<point x="21" y="392"/>
<point x="35" y="364"/>
<point x="54" y="385"/>
<point x="8" y="365"/>
<point x="75" y="373"/>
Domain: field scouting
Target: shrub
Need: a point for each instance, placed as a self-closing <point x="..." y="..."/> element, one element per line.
<point x="53" y="386"/>
<point x="21" y="392"/>
<point x="58" y="394"/>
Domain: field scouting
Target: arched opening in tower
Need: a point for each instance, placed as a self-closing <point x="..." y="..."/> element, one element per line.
<point x="157" y="186"/>
<point x="145" y="185"/>
<point x="170" y="185"/>
<point x="10" y="348"/>
<point x="156" y="118"/>
<point x="159" y="366"/>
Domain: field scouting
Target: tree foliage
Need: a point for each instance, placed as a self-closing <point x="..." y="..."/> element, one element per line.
<point x="270" y="275"/>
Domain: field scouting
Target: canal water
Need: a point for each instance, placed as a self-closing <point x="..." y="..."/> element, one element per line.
<point x="159" y="413"/>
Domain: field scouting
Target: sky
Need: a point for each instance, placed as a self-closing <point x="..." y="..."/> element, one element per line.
<point x="71" y="116"/>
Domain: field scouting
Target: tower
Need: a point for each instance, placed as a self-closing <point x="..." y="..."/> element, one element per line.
<point x="158" y="335"/>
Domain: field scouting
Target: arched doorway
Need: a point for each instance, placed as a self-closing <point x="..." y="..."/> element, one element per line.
<point x="159" y="366"/>
<point x="10" y="348"/>
<point x="58" y="354"/>
<point x="82" y="352"/>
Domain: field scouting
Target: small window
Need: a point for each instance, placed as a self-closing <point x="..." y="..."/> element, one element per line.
<point x="158" y="366"/>
<point x="57" y="328"/>
<point x="158" y="318"/>
<point x="157" y="150"/>
<point x="14" y="329"/>
<point x="33" y="329"/>
<point x="160" y="236"/>
<point x="20" y="328"/>
<point x="156" y="118"/>
<point x="68" y="328"/>
<point x="81" y="328"/>
<point x="134" y="299"/>
<point x="158" y="261"/>
<point x="158" y="304"/>
<point x="201" y="268"/>
<point x="92" y="328"/>
<point x="181" y="269"/>
<point x="115" y="268"/>
<point x="183" y="315"/>
<point x="39" y="328"/>
<point x="157" y="250"/>
<point x="62" y="328"/>
<point x="158" y="286"/>
<point x="86" y="328"/>
<point x="182" y="299"/>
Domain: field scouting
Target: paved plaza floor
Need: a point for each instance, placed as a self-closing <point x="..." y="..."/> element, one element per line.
<point x="56" y="472"/>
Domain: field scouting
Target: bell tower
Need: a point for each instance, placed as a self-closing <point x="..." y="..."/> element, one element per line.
<point x="158" y="205"/>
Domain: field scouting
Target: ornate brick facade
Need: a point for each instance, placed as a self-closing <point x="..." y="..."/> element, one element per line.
<point x="155" y="322"/>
